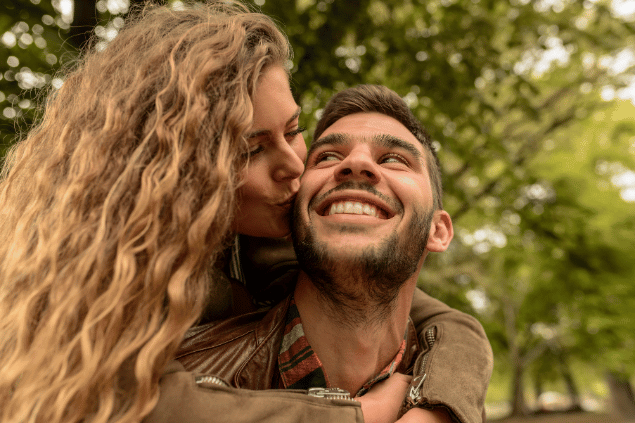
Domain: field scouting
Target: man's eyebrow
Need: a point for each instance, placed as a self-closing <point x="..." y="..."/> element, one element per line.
<point x="384" y="140"/>
<point x="391" y="141"/>
<point x="330" y="139"/>
<point x="262" y="132"/>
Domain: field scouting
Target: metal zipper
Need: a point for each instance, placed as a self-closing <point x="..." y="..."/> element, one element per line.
<point x="210" y="379"/>
<point x="330" y="393"/>
<point x="327" y="393"/>
<point x="414" y="395"/>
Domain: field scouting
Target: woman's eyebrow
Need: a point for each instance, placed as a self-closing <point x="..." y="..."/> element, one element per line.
<point x="262" y="132"/>
<point x="295" y="115"/>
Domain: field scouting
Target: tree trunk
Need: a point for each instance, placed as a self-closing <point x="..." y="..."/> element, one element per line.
<point x="574" y="394"/>
<point x="622" y="397"/>
<point x="519" y="407"/>
<point x="538" y="390"/>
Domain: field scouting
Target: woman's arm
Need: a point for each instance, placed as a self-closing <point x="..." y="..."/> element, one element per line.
<point x="454" y="370"/>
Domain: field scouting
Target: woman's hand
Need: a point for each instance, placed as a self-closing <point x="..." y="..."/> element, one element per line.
<point x="382" y="403"/>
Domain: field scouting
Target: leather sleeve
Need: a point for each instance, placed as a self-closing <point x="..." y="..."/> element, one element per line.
<point x="183" y="400"/>
<point x="455" y="368"/>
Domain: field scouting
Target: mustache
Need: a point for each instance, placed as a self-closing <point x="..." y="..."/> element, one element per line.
<point x="361" y="186"/>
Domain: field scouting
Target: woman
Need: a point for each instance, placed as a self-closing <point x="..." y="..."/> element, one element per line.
<point x="113" y="208"/>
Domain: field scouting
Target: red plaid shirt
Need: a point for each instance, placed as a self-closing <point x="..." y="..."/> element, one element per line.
<point x="301" y="368"/>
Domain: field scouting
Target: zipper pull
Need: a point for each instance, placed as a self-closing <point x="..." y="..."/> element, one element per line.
<point x="415" y="391"/>
<point x="330" y="393"/>
<point x="210" y="379"/>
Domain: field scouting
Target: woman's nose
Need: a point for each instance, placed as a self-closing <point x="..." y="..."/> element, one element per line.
<point x="290" y="165"/>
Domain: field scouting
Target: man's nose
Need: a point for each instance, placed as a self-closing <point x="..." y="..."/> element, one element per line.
<point x="358" y="164"/>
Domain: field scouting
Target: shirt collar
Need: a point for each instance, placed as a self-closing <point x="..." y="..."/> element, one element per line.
<point x="301" y="368"/>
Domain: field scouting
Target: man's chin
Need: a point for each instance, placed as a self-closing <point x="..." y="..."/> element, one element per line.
<point x="352" y="249"/>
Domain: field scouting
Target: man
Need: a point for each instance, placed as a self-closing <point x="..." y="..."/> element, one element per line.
<point x="368" y="212"/>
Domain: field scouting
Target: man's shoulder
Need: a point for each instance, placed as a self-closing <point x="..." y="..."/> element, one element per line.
<point x="224" y="348"/>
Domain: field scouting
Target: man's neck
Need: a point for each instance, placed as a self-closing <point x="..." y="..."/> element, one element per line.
<point x="352" y="353"/>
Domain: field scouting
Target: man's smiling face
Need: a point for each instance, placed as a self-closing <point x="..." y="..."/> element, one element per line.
<point x="366" y="183"/>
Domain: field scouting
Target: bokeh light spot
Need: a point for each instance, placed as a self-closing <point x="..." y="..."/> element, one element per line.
<point x="9" y="39"/>
<point x="9" y="112"/>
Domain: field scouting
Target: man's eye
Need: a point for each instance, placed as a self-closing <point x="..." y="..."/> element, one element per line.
<point x="326" y="157"/>
<point x="394" y="158"/>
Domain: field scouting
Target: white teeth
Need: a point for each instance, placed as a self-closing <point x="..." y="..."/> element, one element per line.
<point x="370" y="210"/>
<point x="352" y="207"/>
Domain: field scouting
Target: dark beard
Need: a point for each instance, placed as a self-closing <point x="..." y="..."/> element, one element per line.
<point x="363" y="289"/>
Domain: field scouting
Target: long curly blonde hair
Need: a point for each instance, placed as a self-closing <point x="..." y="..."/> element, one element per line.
<point x="113" y="207"/>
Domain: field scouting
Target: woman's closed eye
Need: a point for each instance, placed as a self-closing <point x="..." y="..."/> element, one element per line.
<point x="258" y="148"/>
<point x="254" y="150"/>
<point x="294" y="133"/>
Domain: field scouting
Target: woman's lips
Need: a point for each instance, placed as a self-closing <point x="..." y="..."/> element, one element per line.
<point x="288" y="202"/>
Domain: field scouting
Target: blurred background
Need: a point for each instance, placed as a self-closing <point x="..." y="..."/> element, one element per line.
<point x="531" y="106"/>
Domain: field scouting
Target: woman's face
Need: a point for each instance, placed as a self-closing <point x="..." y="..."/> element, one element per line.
<point x="276" y="159"/>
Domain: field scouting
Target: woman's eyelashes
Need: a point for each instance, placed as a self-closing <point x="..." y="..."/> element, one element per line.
<point x="255" y="149"/>
<point x="294" y="133"/>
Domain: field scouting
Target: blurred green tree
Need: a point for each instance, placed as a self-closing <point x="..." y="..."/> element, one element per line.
<point x="552" y="280"/>
<point x="32" y="49"/>
<point x="39" y="38"/>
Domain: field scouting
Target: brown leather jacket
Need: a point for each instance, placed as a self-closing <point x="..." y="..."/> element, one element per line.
<point x="456" y="362"/>
<point x="244" y="351"/>
<point x="457" y="369"/>
<point x="186" y="398"/>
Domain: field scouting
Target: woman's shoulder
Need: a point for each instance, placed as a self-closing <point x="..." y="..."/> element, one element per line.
<point x="216" y="347"/>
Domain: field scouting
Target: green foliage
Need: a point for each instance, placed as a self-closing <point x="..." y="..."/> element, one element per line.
<point x="31" y="50"/>
<point x="38" y="42"/>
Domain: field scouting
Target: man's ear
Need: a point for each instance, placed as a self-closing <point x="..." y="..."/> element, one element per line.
<point x="441" y="232"/>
